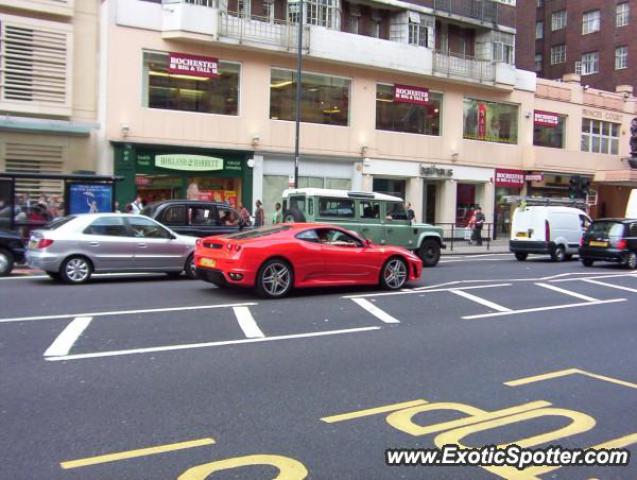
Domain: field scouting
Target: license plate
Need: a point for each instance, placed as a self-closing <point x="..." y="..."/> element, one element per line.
<point x="598" y="244"/>
<point x="521" y="235"/>
<point x="208" y="262"/>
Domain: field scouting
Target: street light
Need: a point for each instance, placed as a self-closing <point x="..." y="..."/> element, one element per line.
<point x="299" y="64"/>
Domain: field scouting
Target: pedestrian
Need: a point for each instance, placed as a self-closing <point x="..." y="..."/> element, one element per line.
<point x="277" y="217"/>
<point x="477" y="225"/>
<point x="137" y="205"/>
<point x="410" y="212"/>
<point x="244" y="215"/>
<point x="259" y="215"/>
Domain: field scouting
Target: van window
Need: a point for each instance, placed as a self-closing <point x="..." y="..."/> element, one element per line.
<point x="336" y="207"/>
<point x="297" y="203"/>
<point x="396" y="211"/>
<point x="369" y="209"/>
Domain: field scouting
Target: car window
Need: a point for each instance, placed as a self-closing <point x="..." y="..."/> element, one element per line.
<point x="297" y="203"/>
<point x="633" y="230"/>
<point x="584" y="221"/>
<point x="58" y="222"/>
<point x="396" y="211"/>
<point x="175" y="215"/>
<point x="227" y="216"/>
<point x="369" y="209"/>
<point x="336" y="207"/>
<point x="308" y="236"/>
<point x="202" y="215"/>
<point x="606" y="229"/>
<point x="145" y="228"/>
<point x="110" y="226"/>
<point x="337" y="238"/>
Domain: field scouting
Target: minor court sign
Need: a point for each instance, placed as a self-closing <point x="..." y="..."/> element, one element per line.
<point x="191" y="163"/>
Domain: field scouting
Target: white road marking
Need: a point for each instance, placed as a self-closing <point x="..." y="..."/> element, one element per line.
<point x="64" y="342"/>
<point x="118" y="353"/>
<point x="374" y="310"/>
<point x="610" y="285"/>
<point x="593" y="276"/>
<point x="123" y="312"/>
<point x="481" y="301"/>
<point x="567" y="292"/>
<point x="247" y="322"/>
<point x="542" y="309"/>
<point x="422" y="290"/>
<point x="96" y="275"/>
<point x="475" y="260"/>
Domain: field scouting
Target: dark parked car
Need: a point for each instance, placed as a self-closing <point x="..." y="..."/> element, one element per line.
<point x="610" y="240"/>
<point x="11" y="251"/>
<point x="197" y="218"/>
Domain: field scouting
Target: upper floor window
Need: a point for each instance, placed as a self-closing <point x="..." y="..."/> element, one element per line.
<point x="324" y="13"/>
<point x="590" y="22"/>
<point x="539" y="29"/>
<point x="558" y="20"/>
<point x="324" y="99"/>
<point x="538" y="62"/>
<point x="419" y="28"/>
<point x="503" y="47"/>
<point x="418" y="113"/>
<point x="209" y="90"/>
<point x="548" y="129"/>
<point x="558" y="54"/>
<point x="490" y="121"/>
<point x="539" y="3"/>
<point x="599" y="136"/>
<point x="590" y="63"/>
<point x="622" y="15"/>
<point x="621" y="57"/>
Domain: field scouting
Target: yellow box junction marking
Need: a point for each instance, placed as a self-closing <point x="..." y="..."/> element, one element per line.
<point x="289" y="468"/>
<point x="564" y="373"/>
<point x="112" y="457"/>
<point x="373" y="411"/>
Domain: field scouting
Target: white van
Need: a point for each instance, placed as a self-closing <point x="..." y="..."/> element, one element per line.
<point x="555" y="231"/>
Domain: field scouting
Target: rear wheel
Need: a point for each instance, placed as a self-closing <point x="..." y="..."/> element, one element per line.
<point x="429" y="252"/>
<point x="76" y="270"/>
<point x="394" y="274"/>
<point x="521" y="256"/>
<point x="559" y="254"/>
<point x="630" y="260"/>
<point x="275" y="279"/>
<point x="587" y="262"/>
<point x="6" y="262"/>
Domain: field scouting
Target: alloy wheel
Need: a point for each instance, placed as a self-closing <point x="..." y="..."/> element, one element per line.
<point x="4" y="262"/>
<point x="395" y="273"/>
<point x="77" y="270"/>
<point x="276" y="279"/>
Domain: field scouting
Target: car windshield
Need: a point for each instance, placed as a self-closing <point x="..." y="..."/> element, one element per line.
<point x="258" y="232"/>
<point x="606" y="229"/>
<point x="58" y="222"/>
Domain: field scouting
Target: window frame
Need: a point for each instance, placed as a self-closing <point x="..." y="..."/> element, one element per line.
<point x="591" y="22"/>
<point x="588" y="136"/>
<point x="622" y="17"/>
<point x="539" y="30"/>
<point x="558" y="56"/>
<point x="335" y="199"/>
<point x="558" y="20"/>
<point x="440" y="100"/>
<point x="619" y="56"/>
<point x="594" y="63"/>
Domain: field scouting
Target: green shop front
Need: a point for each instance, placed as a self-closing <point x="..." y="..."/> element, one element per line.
<point x="162" y="173"/>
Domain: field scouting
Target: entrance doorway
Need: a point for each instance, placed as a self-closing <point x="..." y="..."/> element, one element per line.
<point x="430" y="191"/>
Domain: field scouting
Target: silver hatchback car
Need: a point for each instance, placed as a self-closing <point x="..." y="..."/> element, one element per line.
<point x="73" y="247"/>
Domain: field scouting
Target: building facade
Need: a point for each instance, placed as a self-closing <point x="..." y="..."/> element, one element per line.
<point x="48" y="91"/>
<point x="593" y="38"/>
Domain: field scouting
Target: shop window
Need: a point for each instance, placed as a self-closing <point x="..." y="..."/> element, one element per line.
<point x="490" y="121"/>
<point x="165" y="90"/>
<point x="548" y="130"/>
<point x="599" y="136"/>
<point x="324" y="99"/>
<point x="407" y="117"/>
<point x="336" y="207"/>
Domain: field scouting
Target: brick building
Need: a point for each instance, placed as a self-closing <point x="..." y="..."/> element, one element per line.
<point x="594" y="38"/>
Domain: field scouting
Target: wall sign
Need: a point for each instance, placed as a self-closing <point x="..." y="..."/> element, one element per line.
<point x="545" y="119"/>
<point x="509" y="178"/>
<point x="433" y="171"/>
<point x="534" y="177"/>
<point x="193" y="65"/>
<point x="599" y="115"/>
<point x="408" y="94"/>
<point x="191" y="163"/>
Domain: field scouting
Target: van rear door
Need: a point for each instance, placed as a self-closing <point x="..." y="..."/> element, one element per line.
<point x="527" y="225"/>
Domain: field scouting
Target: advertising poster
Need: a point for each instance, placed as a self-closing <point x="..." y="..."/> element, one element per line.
<point x="90" y="198"/>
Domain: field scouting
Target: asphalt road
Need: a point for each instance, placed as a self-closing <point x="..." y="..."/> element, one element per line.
<point x="143" y="377"/>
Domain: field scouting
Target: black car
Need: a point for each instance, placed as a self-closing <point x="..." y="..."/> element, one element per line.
<point x="11" y="251"/>
<point x="610" y="240"/>
<point x="197" y="218"/>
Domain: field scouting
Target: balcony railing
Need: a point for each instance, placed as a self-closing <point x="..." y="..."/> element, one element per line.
<point x="483" y="10"/>
<point x="278" y="33"/>
<point x="202" y="3"/>
<point x="463" y="67"/>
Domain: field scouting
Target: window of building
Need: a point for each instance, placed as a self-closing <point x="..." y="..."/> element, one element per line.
<point x="407" y="117"/>
<point x="548" y="129"/>
<point x="622" y="14"/>
<point x="490" y="121"/>
<point x="163" y="89"/>
<point x="558" y="20"/>
<point x="324" y="99"/>
<point x="538" y="62"/>
<point x="419" y="28"/>
<point x="590" y="63"/>
<point x="503" y="47"/>
<point x="599" y="136"/>
<point x="539" y="29"/>
<point x="374" y="28"/>
<point x="590" y="22"/>
<point x="322" y="12"/>
<point x="621" y="57"/>
<point x="539" y="3"/>
<point x="558" y="54"/>
<point x="354" y="22"/>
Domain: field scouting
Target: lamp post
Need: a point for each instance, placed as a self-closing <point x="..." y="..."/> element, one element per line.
<point x="299" y="65"/>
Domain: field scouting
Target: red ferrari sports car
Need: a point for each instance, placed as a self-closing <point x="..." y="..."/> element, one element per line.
<point x="277" y="258"/>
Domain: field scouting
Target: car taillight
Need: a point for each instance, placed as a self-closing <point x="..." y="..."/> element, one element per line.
<point x="235" y="247"/>
<point x="45" y="242"/>
<point x="620" y="244"/>
<point x="547" y="230"/>
<point x="581" y="241"/>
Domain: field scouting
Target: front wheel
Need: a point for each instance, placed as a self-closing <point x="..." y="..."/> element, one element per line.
<point x="521" y="256"/>
<point x="587" y="262"/>
<point x="6" y="262"/>
<point x="76" y="270"/>
<point x="394" y="274"/>
<point x="630" y="260"/>
<point x="275" y="279"/>
<point x="429" y="253"/>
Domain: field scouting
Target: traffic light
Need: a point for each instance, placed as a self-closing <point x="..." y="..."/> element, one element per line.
<point x="573" y="186"/>
<point x="584" y="186"/>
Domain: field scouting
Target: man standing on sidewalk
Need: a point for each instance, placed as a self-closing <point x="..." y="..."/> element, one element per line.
<point x="477" y="227"/>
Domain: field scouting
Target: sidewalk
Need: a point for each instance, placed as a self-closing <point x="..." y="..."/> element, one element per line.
<point x="462" y="247"/>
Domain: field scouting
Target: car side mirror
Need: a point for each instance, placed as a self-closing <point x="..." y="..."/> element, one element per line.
<point x="367" y="242"/>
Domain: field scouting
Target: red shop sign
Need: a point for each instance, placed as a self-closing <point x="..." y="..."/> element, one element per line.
<point x="509" y="178"/>
<point x="545" y="119"/>
<point x="193" y="65"/>
<point x="407" y="94"/>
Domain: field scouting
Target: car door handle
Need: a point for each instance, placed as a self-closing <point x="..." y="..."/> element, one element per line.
<point x="94" y="244"/>
<point x="142" y="245"/>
